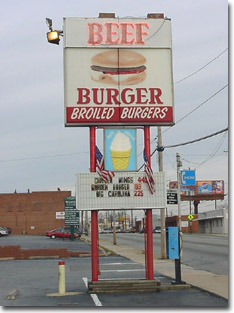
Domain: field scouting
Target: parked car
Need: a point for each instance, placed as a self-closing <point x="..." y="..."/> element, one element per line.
<point x="8" y="229"/>
<point x="63" y="232"/>
<point x="106" y="231"/>
<point x="3" y="231"/>
<point x="157" y="229"/>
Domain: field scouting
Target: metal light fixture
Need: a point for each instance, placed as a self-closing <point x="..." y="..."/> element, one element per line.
<point x="53" y="35"/>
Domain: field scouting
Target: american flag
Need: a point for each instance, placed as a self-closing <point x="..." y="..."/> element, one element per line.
<point x="149" y="173"/>
<point x="105" y="174"/>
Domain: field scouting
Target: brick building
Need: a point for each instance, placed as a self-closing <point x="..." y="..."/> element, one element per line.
<point x="32" y="213"/>
<point x="186" y="225"/>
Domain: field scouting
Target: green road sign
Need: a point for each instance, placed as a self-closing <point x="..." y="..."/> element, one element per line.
<point x="71" y="213"/>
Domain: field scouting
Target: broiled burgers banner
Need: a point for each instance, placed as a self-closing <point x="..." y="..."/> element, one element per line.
<point x="118" y="72"/>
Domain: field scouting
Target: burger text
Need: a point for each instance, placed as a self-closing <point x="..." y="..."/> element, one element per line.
<point x="118" y="114"/>
<point x="113" y="96"/>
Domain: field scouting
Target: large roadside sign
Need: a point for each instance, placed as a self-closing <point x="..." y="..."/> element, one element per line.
<point x="127" y="190"/>
<point x="118" y="71"/>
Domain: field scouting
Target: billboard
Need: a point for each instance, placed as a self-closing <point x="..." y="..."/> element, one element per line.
<point x="184" y="189"/>
<point x="210" y="187"/>
<point x="127" y="190"/>
<point x="205" y="187"/>
<point x="120" y="149"/>
<point x="118" y="71"/>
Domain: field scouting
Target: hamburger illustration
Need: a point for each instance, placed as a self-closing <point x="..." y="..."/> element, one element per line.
<point x="118" y="66"/>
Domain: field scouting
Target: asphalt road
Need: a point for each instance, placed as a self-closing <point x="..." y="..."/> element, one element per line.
<point x="35" y="280"/>
<point x="201" y="251"/>
<point x="43" y="242"/>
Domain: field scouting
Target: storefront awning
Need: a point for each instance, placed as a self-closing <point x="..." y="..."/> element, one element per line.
<point x="208" y="218"/>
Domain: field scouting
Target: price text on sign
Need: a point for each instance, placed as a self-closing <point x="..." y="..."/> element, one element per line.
<point x="127" y="190"/>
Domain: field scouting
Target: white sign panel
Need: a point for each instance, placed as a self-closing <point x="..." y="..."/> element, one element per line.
<point x="60" y="215"/>
<point x="118" y="72"/>
<point x="128" y="190"/>
<point x="184" y="223"/>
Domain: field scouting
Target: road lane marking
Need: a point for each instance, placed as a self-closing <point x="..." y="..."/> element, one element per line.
<point x="133" y="270"/>
<point x="85" y="280"/>
<point x="117" y="263"/>
<point x="96" y="301"/>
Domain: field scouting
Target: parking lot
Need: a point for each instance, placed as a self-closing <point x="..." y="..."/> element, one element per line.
<point x="43" y="242"/>
<point x="35" y="280"/>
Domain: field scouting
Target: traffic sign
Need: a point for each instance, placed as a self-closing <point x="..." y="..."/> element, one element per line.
<point x="190" y="217"/>
<point x="188" y="177"/>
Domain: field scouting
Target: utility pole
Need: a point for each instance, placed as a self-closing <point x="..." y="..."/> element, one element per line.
<point x="114" y="229"/>
<point x="86" y="223"/>
<point x="179" y="164"/>
<point x="162" y="211"/>
<point x="177" y="261"/>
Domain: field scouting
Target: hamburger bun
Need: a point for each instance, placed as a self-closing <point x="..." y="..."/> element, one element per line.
<point x="118" y="66"/>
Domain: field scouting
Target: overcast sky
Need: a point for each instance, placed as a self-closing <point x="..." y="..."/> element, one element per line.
<point x="39" y="153"/>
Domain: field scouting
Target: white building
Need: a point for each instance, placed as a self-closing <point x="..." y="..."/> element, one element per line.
<point x="213" y="222"/>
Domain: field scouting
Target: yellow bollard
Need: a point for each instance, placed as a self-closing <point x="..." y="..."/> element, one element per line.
<point x="61" y="277"/>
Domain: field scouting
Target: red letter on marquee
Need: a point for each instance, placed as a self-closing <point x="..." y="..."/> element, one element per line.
<point x="125" y="33"/>
<point x="83" y="98"/>
<point x="141" y="96"/>
<point x="110" y="33"/>
<point x="140" y="33"/>
<point x="95" y="33"/>
<point x="155" y="93"/>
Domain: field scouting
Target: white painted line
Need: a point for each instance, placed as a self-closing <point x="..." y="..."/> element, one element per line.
<point x="134" y="270"/>
<point x="85" y="280"/>
<point x="96" y="301"/>
<point x="117" y="263"/>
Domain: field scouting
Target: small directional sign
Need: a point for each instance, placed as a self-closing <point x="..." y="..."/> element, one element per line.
<point x="190" y="217"/>
<point x="188" y="177"/>
<point x="172" y="196"/>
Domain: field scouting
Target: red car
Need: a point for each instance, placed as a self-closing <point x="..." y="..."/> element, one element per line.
<point x="62" y="232"/>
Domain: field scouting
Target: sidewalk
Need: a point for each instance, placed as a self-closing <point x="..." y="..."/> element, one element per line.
<point x="217" y="284"/>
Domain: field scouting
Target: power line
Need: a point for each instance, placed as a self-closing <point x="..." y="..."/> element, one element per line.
<point x="43" y="157"/>
<point x="186" y="143"/>
<point x="196" y="140"/>
<point x="214" y="152"/>
<point x="182" y="118"/>
<point x="181" y="80"/>
<point x="201" y="104"/>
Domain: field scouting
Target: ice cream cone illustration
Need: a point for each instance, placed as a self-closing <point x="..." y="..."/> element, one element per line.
<point x="120" y="151"/>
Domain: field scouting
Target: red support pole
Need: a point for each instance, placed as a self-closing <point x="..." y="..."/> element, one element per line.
<point x="145" y="242"/>
<point x="149" y="228"/>
<point x="150" y="256"/>
<point x="94" y="244"/>
<point x="147" y="142"/>
<point x="92" y="136"/>
<point x="94" y="213"/>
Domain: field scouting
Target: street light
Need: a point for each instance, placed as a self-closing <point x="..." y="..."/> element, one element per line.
<point x="53" y="35"/>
